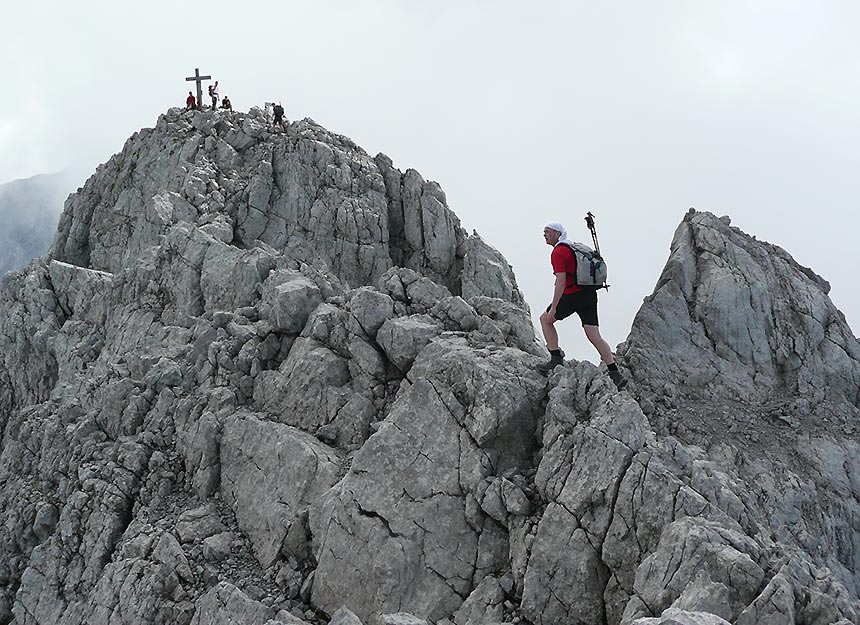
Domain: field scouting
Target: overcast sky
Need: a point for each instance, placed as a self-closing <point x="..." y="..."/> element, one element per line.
<point x="524" y="112"/>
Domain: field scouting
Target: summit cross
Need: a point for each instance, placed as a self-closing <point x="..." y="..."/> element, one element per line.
<point x="199" y="80"/>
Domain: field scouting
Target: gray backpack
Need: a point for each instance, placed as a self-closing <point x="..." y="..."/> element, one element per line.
<point x="590" y="266"/>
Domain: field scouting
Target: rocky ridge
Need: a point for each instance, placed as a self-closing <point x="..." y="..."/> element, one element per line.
<point x="269" y="379"/>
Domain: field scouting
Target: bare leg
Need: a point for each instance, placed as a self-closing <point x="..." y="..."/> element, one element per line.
<point x="593" y="335"/>
<point x="550" y="334"/>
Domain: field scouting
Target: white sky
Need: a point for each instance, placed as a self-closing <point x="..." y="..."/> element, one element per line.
<point x="524" y="112"/>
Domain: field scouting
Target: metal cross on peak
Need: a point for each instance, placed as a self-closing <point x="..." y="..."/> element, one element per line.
<point x="199" y="80"/>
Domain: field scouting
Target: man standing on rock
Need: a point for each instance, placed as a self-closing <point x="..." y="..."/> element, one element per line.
<point x="190" y="102"/>
<point x="279" y="117"/>
<point x="213" y="93"/>
<point x="568" y="298"/>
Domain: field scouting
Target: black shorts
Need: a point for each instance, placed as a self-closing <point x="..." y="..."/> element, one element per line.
<point x="583" y="303"/>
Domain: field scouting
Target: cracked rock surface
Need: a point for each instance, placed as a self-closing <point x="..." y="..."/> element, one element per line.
<point x="268" y="379"/>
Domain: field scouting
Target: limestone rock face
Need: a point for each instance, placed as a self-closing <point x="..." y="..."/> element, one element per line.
<point x="759" y="370"/>
<point x="227" y="604"/>
<point x="293" y="470"/>
<point x="733" y="317"/>
<point x="463" y="416"/>
<point x="269" y="379"/>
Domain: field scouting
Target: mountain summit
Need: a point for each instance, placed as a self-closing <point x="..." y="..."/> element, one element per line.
<point x="266" y="378"/>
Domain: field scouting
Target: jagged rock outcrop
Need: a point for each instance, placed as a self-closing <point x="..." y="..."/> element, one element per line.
<point x="412" y="528"/>
<point x="762" y="373"/>
<point x="269" y="379"/>
<point x="733" y="317"/>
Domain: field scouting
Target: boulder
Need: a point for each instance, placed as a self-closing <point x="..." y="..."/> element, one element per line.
<point x="195" y="525"/>
<point x="270" y="474"/>
<point x="227" y="604"/>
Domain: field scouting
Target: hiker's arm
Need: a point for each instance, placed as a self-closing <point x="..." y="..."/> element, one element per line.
<point x="560" y="281"/>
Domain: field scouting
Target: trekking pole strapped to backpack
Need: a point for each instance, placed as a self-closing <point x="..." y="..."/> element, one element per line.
<point x="589" y="221"/>
<point x="591" y="268"/>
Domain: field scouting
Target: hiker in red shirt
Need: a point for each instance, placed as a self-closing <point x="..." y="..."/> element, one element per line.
<point x="568" y="298"/>
<point x="190" y="102"/>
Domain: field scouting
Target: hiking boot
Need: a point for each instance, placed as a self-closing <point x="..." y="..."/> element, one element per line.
<point x="620" y="380"/>
<point x="554" y="361"/>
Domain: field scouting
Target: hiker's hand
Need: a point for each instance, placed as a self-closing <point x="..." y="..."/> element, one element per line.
<point x="551" y="314"/>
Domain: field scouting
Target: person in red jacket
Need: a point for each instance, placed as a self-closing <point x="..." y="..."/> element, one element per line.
<point x="190" y="102"/>
<point x="569" y="298"/>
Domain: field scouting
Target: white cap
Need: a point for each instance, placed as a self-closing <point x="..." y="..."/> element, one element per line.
<point x="554" y="225"/>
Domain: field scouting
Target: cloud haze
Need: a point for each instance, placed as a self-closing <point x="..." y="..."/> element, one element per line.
<point x="524" y="113"/>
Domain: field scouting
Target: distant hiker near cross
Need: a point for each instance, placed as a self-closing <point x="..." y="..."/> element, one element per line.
<point x="199" y="80"/>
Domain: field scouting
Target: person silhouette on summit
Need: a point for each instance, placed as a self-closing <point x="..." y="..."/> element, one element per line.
<point x="190" y="102"/>
<point x="213" y="93"/>
<point x="568" y="297"/>
<point x="279" y="117"/>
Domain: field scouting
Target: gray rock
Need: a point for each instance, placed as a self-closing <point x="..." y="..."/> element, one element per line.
<point x="418" y="293"/>
<point x="307" y="588"/>
<point x="402" y="339"/>
<point x="327" y="433"/>
<point x="425" y="235"/>
<point x="746" y="315"/>
<point x="455" y="313"/>
<point x="516" y="319"/>
<point x="490" y="498"/>
<point x="195" y="525"/>
<point x="227" y="604"/>
<point x="363" y="526"/>
<point x="290" y="580"/>
<point x="400" y="618"/>
<point x="774" y="606"/>
<point x="202" y="456"/>
<point x="371" y="309"/>
<point x="230" y="278"/>
<point x="486" y="273"/>
<point x="704" y="595"/>
<point x="169" y="552"/>
<point x="568" y="583"/>
<point x="84" y="293"/>
<point x="217" y="547"/>
<point x="484" y="605"/>
<point x="315" y="387"/>
<point x="516" y="501"/>
<point x="437" y="448"/>
<point x="288" y="300"/>
<point x="46" y="520"/>
<point x="682" y="617"/>
<point x="270" y="473"/>
<point x="344" y="616"/>
<point x="727" y="558"/>
<point x="286" y="618"/>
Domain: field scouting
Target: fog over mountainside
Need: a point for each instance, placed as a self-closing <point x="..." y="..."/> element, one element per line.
<point x="268" y="379"/>
<point x="29" y="212"/>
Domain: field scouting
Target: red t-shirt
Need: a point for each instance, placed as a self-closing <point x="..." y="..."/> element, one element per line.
<point x="563" y="259"/>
